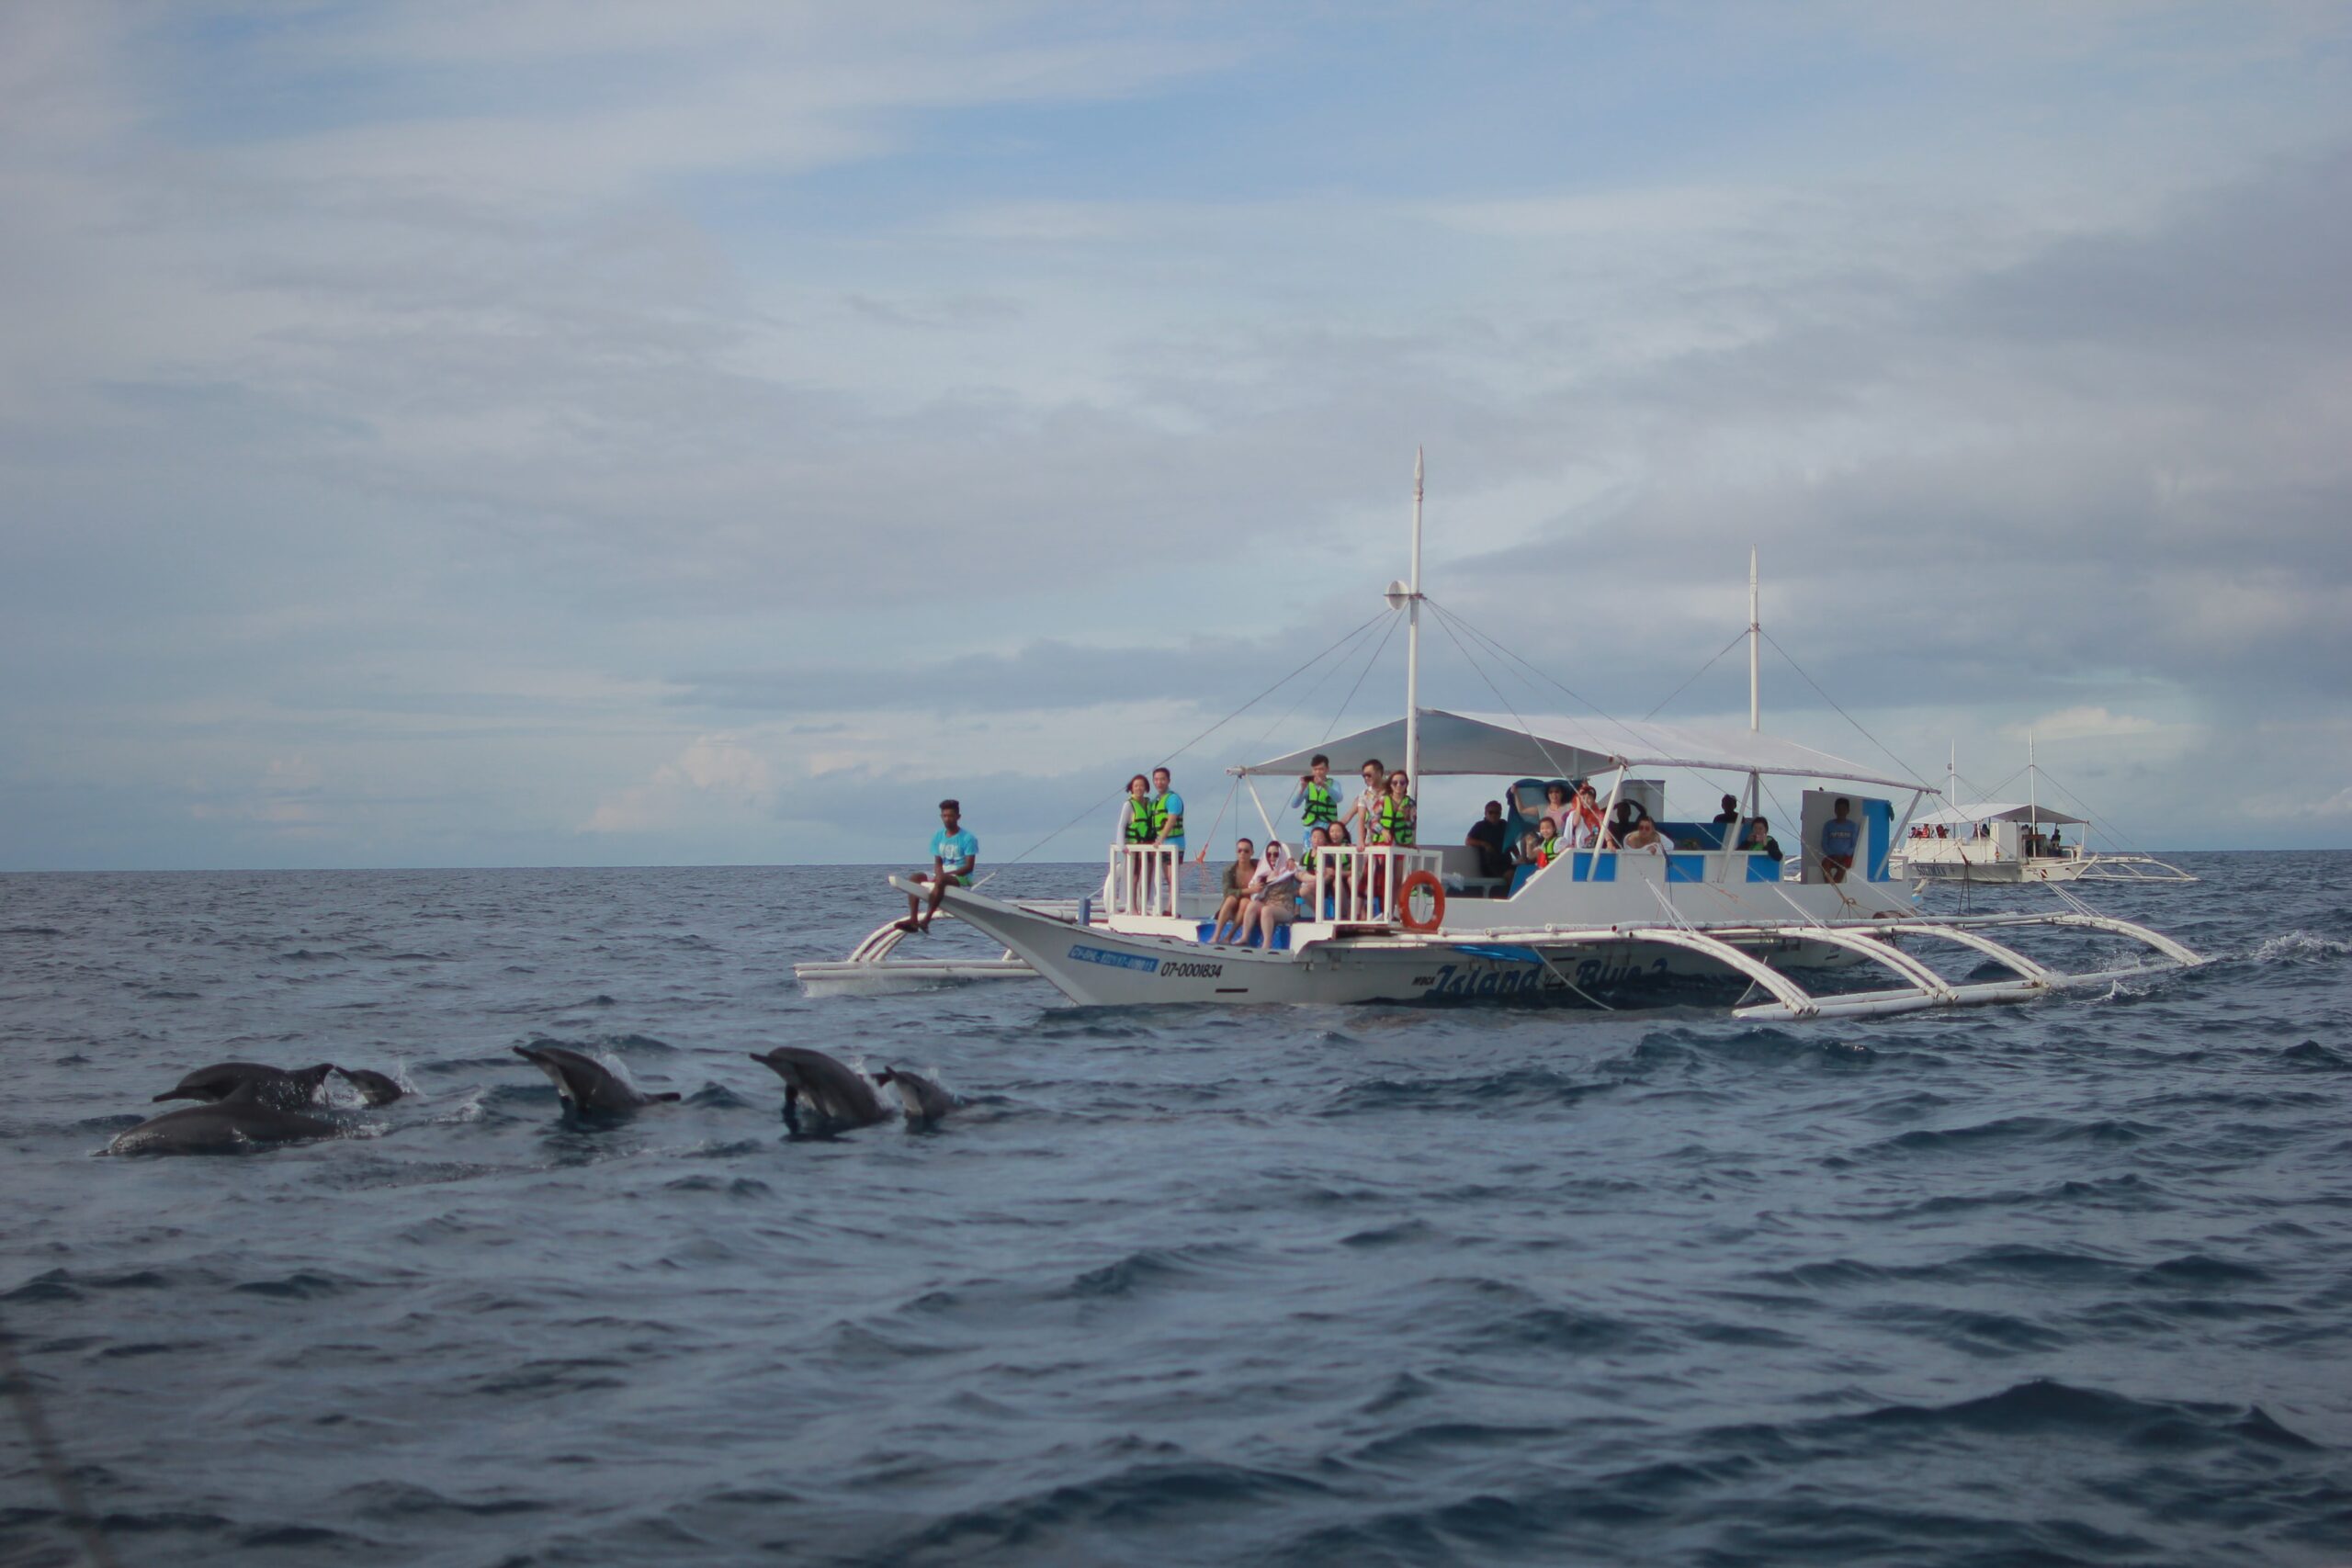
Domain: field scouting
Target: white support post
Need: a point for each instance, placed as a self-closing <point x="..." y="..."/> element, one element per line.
<point x="1754" y="650"/>
<point x="1413" y="643"/>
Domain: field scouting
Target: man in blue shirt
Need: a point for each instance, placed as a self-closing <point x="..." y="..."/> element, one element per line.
<point x="1167" y="812"/>
<point x="954" y="855"/>
<point x="1168" y="819"/>
<point x="1839" y="838"/>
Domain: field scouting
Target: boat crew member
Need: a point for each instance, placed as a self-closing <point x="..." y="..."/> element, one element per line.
<point x="954" y="854"/>
<point x="1839" y="838"/>
<point x="1317" y="803"/>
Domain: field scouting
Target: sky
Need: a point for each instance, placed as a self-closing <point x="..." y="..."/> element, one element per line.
<point x="608" y="434"/>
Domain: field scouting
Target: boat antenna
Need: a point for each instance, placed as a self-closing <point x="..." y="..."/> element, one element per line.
<point x="1407" y="596"/>
<point x="2032" y="795"/>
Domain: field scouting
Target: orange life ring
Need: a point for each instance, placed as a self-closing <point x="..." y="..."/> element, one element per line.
<point x="1405" y="902"/>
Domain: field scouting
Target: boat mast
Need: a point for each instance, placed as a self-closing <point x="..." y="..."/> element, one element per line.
<point x="1755" y="677"/>
<point x="2032" y="791"/>
<point x="1413" y="643"/>
<point x="1755" y="661"/>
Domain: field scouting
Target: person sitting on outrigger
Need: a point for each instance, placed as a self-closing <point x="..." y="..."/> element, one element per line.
<point x="955" y="854"/>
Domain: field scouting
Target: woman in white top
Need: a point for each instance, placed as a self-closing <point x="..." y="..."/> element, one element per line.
<point x="1645" y="837"/>
<point x="1274" y="893"/>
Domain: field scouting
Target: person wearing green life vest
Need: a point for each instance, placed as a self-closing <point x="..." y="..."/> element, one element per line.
<point x="1167" y="813"/>
<point x="1317" y="803"/>
<point x="1138" y="823"/>
<point x="1397" y="814"/>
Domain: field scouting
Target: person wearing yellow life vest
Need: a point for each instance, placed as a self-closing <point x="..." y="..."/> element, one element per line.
<point x="1139" y="824"/>
<point x="1398" y="814"/>
<point x="1317" y="803"/>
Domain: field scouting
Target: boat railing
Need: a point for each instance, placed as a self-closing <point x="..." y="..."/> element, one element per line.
<point x="1143" y="879"/>
<point x="1358" y="883"/>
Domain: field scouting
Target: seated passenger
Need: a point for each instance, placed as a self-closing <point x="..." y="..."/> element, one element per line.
<point x="1730" y="813"/>
<point x="1547" y="842"/>
<point x="1579" y="828"/>
<point x="1621" y="820"/>
<point x="1645" y="837"/>
<point x="1841" y="836"/>
<point x="1334" y="896"/>
<point x="1236" y="892"/>
<point x="1759" y="839"/>
<point x="1273" y="892"/>
<point x="1490" y="837"/>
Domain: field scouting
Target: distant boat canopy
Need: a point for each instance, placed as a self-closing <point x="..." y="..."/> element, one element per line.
<point x="1993" y="811"/>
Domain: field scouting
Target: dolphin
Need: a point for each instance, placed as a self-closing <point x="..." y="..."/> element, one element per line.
<point x="839" y="1096"/>
<point x="587" y="1088"/>
<point x="238" y="1122"/>
<point x="373" y="1087"/>
<point x="924" y="1101"/>
<point x="285" y="1090"/>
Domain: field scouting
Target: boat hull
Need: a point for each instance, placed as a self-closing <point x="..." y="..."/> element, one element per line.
<point x="1098" y="967"/>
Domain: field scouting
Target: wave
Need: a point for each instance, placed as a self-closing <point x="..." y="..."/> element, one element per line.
<point x="2298" y="947"/>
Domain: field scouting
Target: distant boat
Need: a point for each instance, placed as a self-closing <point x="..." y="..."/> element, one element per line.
<point x="2009" y="841"/>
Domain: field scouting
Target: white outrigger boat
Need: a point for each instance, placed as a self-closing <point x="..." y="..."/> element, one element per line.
<point x="1996" y="841"/>
<point x="1602" y="927"/>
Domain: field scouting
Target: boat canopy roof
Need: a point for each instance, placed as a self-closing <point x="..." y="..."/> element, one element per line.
<point x="1992" y="811"/>
<point x="1496" y="745"/>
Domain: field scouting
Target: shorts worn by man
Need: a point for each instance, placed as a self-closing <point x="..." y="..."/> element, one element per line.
<point x="1840" y="836"/>
<point x="955" y="854"/>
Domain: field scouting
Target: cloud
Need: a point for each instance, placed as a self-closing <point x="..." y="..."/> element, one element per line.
<point x="557" y="417"/>
<point x="2080" y="723"/>
<point x="718" y="775"/>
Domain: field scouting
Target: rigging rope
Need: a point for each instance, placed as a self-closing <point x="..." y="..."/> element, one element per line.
<point x="1096" y="806"/>
<point x="1737" y="639"/>
<point x="1394" y="616"/>
<point x="1850" y="718"/>
<point x="1443" y="620"/>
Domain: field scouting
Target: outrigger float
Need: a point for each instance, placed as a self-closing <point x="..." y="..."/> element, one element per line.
<point x="1707" y="921"/>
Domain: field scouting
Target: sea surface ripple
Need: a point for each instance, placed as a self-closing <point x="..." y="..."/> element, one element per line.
<point x="2062" y="1283"/>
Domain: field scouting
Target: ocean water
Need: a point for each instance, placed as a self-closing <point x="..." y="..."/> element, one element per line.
<point x="2061" y="1283"/>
